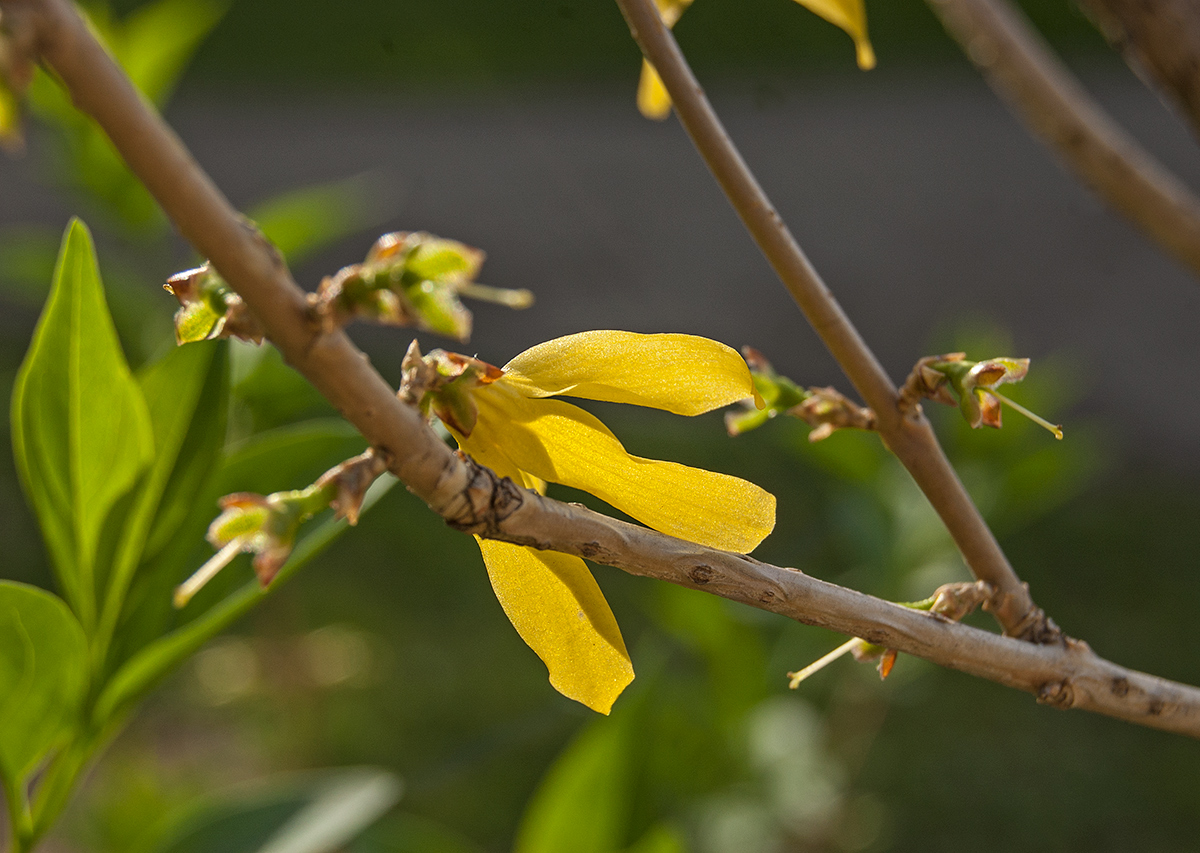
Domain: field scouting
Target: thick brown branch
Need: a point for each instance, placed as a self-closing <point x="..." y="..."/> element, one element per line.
<point x="908" y="436"/>
<point x="1159" y="39"/>
<point x="1066" y="674"/>
<point x="471" y="498"/>
<point x="1021" y="68"/>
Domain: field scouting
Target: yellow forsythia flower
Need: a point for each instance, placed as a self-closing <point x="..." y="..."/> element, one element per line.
<point x="652" y="98"/>
<point x="521" y="433"/>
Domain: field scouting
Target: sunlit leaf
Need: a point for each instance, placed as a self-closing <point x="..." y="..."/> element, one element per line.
<point x="304" y="221"/>
<point x="583" y="803"/>
<point x="43" y="672"/>
<point x="187" y="394"/>
<point x="155" y="43"/>
<point x="81" y="430"/>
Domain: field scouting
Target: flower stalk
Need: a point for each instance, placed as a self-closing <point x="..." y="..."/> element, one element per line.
<point x="267" y="526"/>
<point x="507" y="420"/>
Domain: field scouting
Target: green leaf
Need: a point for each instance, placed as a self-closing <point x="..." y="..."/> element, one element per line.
<point x="161" y="656"/>
<point x="660" y="838"/>
<point x="583" y="803"/>
<point x="43" y="674"/>
<point x="309" y="219"/>
<point x="316" y="813"/>
<point x="201" y="429"/>
<point x="438" y="259"/>
<point x="187" y="395"/>
<point x="81" y="430"/>
<point x="155" y="43"/>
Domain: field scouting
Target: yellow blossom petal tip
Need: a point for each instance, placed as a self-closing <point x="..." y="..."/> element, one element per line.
<point x="556" y="606"/>
<point x="683" y="374"/>
<point x="652" y="99"/>
<point x="851" y="16"/>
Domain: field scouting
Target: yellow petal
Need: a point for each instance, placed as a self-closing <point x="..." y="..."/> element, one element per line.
<point x="556" y="606"/>
<point x="484" y="450"/>
<point x="851" y="17"/>
<point x="652" y="98"/>
<point x="10" y="119"/>
<point x="556" y="441"/>
<point x="684" y="374"/>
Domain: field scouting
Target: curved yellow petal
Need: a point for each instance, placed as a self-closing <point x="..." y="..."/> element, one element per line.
<point x="556" y="606"/>
<point x="652" y="98"/>
<point x="559" y="442"/>
<point x="851" y="17"/>
<point x="684" y="374"/>
<point x="483" y="449"/>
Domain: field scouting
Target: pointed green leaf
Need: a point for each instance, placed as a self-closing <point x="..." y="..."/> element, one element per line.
<point x="187" y="394"/>
<point x="583" y="802"/>
<point x="157" y="41"/>
<point x="43" y="671"/>
<point x="81" y="430"/>
<point x="310" y="219"/>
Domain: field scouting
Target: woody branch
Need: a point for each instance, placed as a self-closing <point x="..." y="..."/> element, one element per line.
<point x="907" y="434"/>
<point x="1038" y="87"/>
<point x="1064" y="673"/>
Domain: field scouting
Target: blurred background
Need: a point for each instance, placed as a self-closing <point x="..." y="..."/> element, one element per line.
<point x="512" y="127"/>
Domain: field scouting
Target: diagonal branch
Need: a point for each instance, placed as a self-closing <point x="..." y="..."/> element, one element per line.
<point x="1022" y="69"/>
<point x="1065" y="674"/>
<point x="1160" y="40"/>
<point x="908" y="435"/>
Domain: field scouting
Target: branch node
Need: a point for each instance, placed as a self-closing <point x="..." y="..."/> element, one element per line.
<point x="484" y="502"/>
<point x="1057" y="694"/>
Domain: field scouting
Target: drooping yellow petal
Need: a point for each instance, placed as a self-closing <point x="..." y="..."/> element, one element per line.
<point x="851" y="17"/>
<point x="556" y="606"/>
<point x="684" y="374"/>
<point x="561" y="443"/>
<point x="652" y="98"/>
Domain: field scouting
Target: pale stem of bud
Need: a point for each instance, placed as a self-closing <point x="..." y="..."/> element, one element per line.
<point x="1037" y="419"/>
<point x="218" y="561"/>
<point x="821" y="663"/>
<point x="499" y="295"/>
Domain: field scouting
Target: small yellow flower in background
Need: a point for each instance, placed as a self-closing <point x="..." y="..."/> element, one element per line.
<point x="850" y="15"/>
<point x="520" y="432"/>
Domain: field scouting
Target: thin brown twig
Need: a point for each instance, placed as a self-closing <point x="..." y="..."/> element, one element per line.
<point x="909" y="436"/>
<point x="1023" y="70"/>
<point x="471" y="498"/>
<point x="1161" y="41"/>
